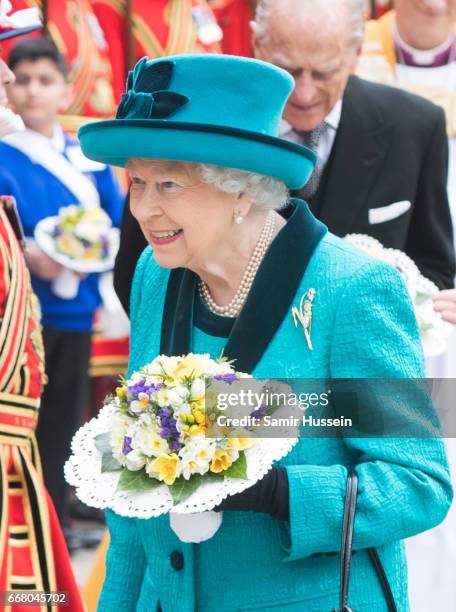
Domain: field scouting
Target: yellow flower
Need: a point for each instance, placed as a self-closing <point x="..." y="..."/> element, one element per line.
<point x="224" y="431"/>
<point x="90" y="253"/>
<point x="221" y="461"/>
<point x="198" y="404"/>
<point x="188" y="366"/>
<point x="96" y="214"/>
<point x="121" y="392"/>
<point x="167" y="468"/>
<point x="196" y="429"/>
<point x="241" y="443"/>
<point x="199" y="417"/>
<point x="69" y="245"/>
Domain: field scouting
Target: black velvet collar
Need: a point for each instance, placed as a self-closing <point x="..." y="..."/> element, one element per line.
<point x="209" y="322"/>
<point x="269" y="299"/>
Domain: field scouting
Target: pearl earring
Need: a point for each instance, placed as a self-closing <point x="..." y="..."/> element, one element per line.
<point x="238" y="218"/>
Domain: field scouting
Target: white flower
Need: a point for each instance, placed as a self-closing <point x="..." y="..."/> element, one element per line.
<point x="197" y="389"/>
<point x="135" y="461"/>
<point x="147" y="420"/>
<point x="196" y="455"/>
<point x="182" y="391"/>
<point x="153" y="379"/>
<point x="179" y="426"/>
<point x="120" y="425"/>
<point x="183" y="409"/>
<point x="175" y="398"/>
<point x="136" y="377"/>
<point x="148" y="442"/>
<point x="160" y="364"/>
<point x="169" y="397"/>
<point x="69" y="211"/>
<point x="86" y="230"/>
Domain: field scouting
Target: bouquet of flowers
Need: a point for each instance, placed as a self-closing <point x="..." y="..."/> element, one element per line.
<point x="155" y="446"/>
<point x="81" y="239"/>
<point x="434" y="331"/>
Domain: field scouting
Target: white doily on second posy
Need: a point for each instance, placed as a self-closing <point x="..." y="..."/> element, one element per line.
<point x="434" y="331"/>
<point x="99" y="489"/>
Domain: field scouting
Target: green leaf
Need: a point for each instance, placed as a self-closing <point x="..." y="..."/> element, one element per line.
<point x="109" y="463"/>
<point x="108" y="399"/>
<point x="102" y="443"/>
<point x="213" y="477"/>
<point x="238" y="469"/>
<point x="136" y="481"/>
<point x="182" y="489"/>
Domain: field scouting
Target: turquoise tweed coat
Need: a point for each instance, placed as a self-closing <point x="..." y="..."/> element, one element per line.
<point x="363" y="326"/>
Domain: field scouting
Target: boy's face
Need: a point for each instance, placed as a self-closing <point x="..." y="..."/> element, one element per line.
<point x="39" y="93"/>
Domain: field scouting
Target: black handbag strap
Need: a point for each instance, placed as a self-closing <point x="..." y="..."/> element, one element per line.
<point x="346" y="551"/>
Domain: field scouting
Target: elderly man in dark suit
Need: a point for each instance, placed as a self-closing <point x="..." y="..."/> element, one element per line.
<point x="383" y="152"/>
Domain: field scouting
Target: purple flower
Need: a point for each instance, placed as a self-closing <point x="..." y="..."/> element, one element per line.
<point x="260" y="412"/>
<point x="136" y="388"/>
<point x="174" y="445"/>
<point x="127" y="447"/>
<point x="142" y="387"/>
<point x="164" y="433"/>
<point x="228" y="378"/>
<point x="164" y="413"/>
<point x="56" y="231"/>
<point x="104" y="245"/>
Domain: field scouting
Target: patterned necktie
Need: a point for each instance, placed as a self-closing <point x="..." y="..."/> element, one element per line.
<point x="311" y="140"/>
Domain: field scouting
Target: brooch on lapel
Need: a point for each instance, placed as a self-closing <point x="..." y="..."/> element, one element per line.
<point x="303" y="315"/>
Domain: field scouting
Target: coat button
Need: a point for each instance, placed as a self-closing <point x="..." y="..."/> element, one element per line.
<point x="177" y="560"/>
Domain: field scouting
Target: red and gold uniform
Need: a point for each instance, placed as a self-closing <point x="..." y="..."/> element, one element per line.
<point x="234" y="17"/>
<point x="155" y="29"/>
<point x="73" y="27"/>
<point x="33" y="554"/>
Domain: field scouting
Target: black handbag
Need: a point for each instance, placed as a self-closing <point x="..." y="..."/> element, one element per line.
<point x="346" y="551"/>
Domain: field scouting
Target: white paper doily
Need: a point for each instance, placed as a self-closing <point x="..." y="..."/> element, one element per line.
<point x="43" y="236"/>
<point x="97" y="489"/>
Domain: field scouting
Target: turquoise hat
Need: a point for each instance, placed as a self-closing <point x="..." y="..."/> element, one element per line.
<point x="213" y="109"/>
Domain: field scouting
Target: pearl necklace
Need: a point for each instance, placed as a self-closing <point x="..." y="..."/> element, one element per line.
<point x="234" y="307"/>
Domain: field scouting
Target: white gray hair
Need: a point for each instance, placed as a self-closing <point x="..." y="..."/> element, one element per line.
<point x="264" y="192"/>
<point x="355" y="11"/>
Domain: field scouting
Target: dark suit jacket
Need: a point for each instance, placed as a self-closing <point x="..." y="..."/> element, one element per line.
<point x="390" y="147"/>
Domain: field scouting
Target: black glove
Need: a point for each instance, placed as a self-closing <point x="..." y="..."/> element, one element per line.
<point x="269" y="495"/>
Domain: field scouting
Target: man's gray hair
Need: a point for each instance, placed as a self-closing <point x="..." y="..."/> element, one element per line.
<point x="264" y="192"/>
<point x="355" y="9"/>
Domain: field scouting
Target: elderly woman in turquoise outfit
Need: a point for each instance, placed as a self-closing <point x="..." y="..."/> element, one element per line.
<point x="224" y="269"/>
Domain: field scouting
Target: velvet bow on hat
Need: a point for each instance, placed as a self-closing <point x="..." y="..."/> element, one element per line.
<point x="214" y="109"/>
